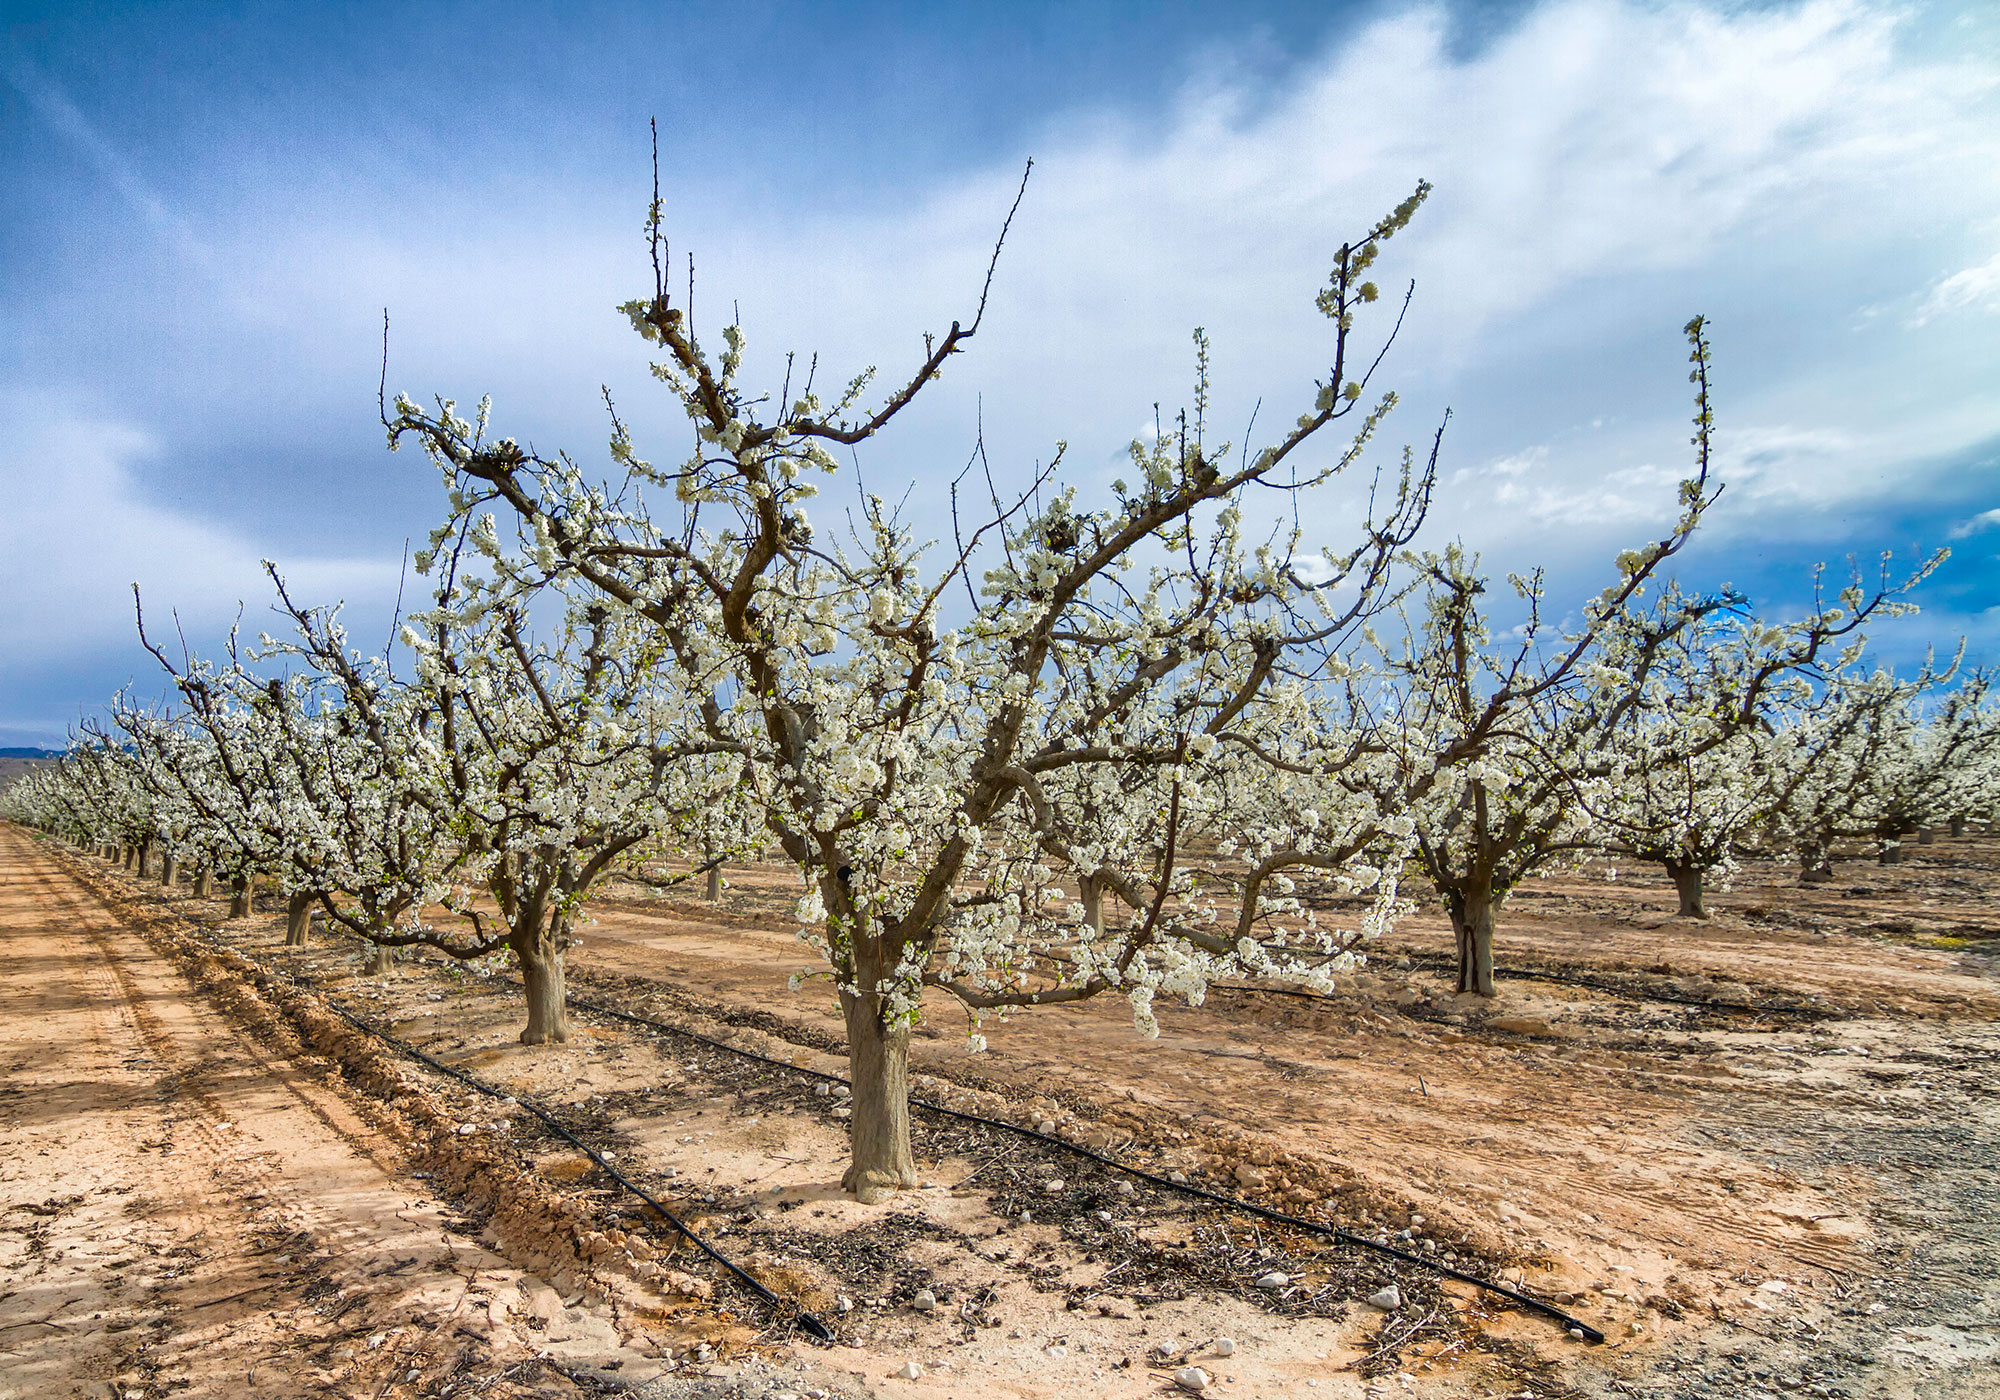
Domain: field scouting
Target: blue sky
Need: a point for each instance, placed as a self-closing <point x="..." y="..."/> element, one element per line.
<point x="208" y="207"/>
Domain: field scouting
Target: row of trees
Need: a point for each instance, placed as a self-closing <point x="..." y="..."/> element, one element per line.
<point x="1124" y="746"/>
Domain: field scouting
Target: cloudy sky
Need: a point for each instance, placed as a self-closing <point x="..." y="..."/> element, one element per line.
<point x="209" y="207"/>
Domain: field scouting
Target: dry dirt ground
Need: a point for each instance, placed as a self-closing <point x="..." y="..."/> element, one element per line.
<point x="1758" y="1153"/>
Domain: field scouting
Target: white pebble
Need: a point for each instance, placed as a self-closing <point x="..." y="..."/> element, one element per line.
<point x="925" y="1300"/>
<point x="1274" y="1280"/>
<point x="1225" y="1346"/>
<point x="1191" y="1378"/>
<point x="1055" y="1188"/>
<point x="1388" y="1300"/>
<point x="911" y="1371"/>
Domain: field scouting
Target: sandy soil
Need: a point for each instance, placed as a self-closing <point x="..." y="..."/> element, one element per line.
<point x="1797" y="1199"/>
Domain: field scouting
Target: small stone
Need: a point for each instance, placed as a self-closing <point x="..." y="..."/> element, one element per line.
<point x="1388" y="1300"/>
<point x="1274" y="1280"/>
<point x="1125" y="1188"/>
<point x="1177" y="1178"/>
<point x="1250" y="1178"/>
<point x="1576" y="1332"/>
<point x="1191" y="1379"/>
<point x="1225" y="1346"/>
<point x="911" y="1371"/>
<point x="1104" y="1217"/>
<point x="467" y="1129"/>
<point x="844" y="1113"/>
<point x="1055" y="1188"/>
<point x="925" y="1301"/>
<point x="1521" y="1025"/>
<point x="1058" y="1352"/>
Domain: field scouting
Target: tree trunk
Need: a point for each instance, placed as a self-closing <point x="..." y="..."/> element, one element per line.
<point x="127" y="856"/>
<point x="298" y="918"/>
<point x="878" y="1065"/>
<point x="1687" y="878"/>
<point x="204" y="883"/>
<point x="1815" y="864"/>
<point x="714" y="883"/>
<point x="383" y="962"/>
<point x="241" y="898"/>
<point x="145" y="859"/>
<point x="1957" y="827"/>
<point x="1926" y="836"/>
<point x="541" y="959"/>
<point x="169" y="868"/>
<point x="1891" y="852"/>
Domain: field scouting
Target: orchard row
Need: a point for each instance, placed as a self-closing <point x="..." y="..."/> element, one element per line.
<point x="1065" y="748"/>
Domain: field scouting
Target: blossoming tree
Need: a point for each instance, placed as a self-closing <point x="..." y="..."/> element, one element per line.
<point x="983" y="758"/>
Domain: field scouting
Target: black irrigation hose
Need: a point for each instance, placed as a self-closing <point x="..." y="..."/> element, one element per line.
<point x="808" y="1321"/>
<point x="1640" y="994"/>
<point x="1332" y="1232"/>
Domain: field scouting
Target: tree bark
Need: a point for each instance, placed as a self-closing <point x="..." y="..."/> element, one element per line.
<point x="1926" y="836"/>
<point x="878" y="1066"/>
<point x="383" y="962"/>
<point x="1957" y="827"/>
<point x="145" y="859"/>
<point x="1891" y="852"/>
<point x="1687" y="878"/>
<point x="169" y="868"/>
<point x="1815" y="865"/>
<point x="298" y="917"/>
<point x="127" y="856"/>
<point x="714" y="883"/>
<point x="242" y="903"/>
<point x="1472" y="912"/>
<point x="204" y="883"/>
<point x="542" y="973"/>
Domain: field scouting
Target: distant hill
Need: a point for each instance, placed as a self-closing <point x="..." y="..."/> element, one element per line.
<point x="15" y="762"/>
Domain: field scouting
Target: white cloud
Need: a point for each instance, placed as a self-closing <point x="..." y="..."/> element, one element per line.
<point x="1978" y="524"/>
<point x="1973" y="289"/>
<point x="76" y="535"/>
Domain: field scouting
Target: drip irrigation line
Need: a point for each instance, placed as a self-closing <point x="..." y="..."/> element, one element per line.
<point x="813" y="1326"/>
<point x="1332" y="1232"/>
<point x="1638" y="994"/>
<point x="806" y="1320"/>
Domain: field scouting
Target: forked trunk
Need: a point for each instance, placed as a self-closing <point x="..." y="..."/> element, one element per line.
<point x="298" y="918"/>
<point x="204" y="883"/>
<point x="878" y="1065"/>
<point x="1687" y="878"/>
<point x="541" y="959"/>
<point x="240" y="906"/>
<point x="169" y="868"/>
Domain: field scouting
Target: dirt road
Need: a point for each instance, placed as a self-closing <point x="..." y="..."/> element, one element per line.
<point x="181" y="1213"/>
